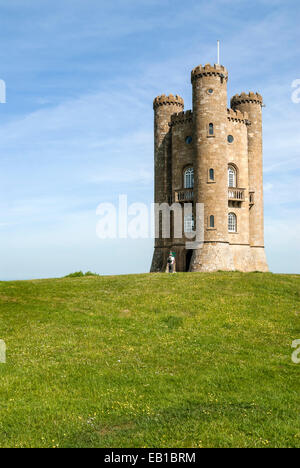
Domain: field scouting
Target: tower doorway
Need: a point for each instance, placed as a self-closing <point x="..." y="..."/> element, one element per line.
<point x="188" y="259"/>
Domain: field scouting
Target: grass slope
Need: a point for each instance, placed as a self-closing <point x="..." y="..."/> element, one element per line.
<point x="185" y="360"/>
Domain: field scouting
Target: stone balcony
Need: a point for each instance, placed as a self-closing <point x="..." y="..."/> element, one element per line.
<point x="184" y="195"/>
<point x="236" y="194"/>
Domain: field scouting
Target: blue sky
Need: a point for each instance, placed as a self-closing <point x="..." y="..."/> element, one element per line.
<point x="77" y="128"/>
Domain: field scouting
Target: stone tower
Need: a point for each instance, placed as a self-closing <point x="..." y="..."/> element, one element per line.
<point x="252" y="104"/>
<point x="164" y="108"/>
<point x="211" y="157"/>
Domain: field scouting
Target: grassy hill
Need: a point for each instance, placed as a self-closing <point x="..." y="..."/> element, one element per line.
<point x="185" y="360"/>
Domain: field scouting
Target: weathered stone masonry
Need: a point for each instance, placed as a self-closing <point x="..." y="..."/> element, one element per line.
<point x="223" y="148"/>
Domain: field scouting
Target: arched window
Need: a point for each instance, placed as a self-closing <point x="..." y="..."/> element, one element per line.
<point x="211" y="174"/>
<point x="211" y="221"/>
<point x="189" y="178"/>
<point x="189" y="222"/>
<point x="231" y="176"/>
<point x="211" y="129"/>
<point x="232" y="224"/>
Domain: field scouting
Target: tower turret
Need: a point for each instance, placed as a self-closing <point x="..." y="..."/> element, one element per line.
<point x="210" y="166"/>
<point x="164" y="106"/>
<point x="252" y="104"/>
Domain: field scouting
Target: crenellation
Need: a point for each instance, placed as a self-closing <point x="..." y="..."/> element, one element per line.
<point x="164" y="100"/>
<point x="181" y="118"/>
<point x="237" y="116"/>
<point x="243" y="98"/>
<point x="209" y="70"/>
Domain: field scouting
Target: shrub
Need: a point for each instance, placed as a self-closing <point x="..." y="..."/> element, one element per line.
<point x="80" y="274"/>
<point x="77" y="274"/>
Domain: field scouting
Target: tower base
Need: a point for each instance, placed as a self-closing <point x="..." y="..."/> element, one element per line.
<point x="212" y="257"/>
<point x="159" y="260"/>
<point x="259" y="259"/>
<point x="242" y="258"/>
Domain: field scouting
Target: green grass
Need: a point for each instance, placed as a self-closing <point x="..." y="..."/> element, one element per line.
<point x="185" y="360"/>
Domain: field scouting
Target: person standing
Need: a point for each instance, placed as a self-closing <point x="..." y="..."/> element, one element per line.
<point x="171" y="263"/>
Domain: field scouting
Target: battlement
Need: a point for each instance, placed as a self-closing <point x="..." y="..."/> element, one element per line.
<point x="181" y="118"/>
<point x="253" y="98"/>
<point x="164" y="100"/>
<point x="209" y="70"/>
<point x="238" y="116"/>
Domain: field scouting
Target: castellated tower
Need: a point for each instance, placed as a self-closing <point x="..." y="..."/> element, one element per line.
<point x="211" y="157"/>
<point x="164" y="107"/>
<point x="252" y="104"/>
